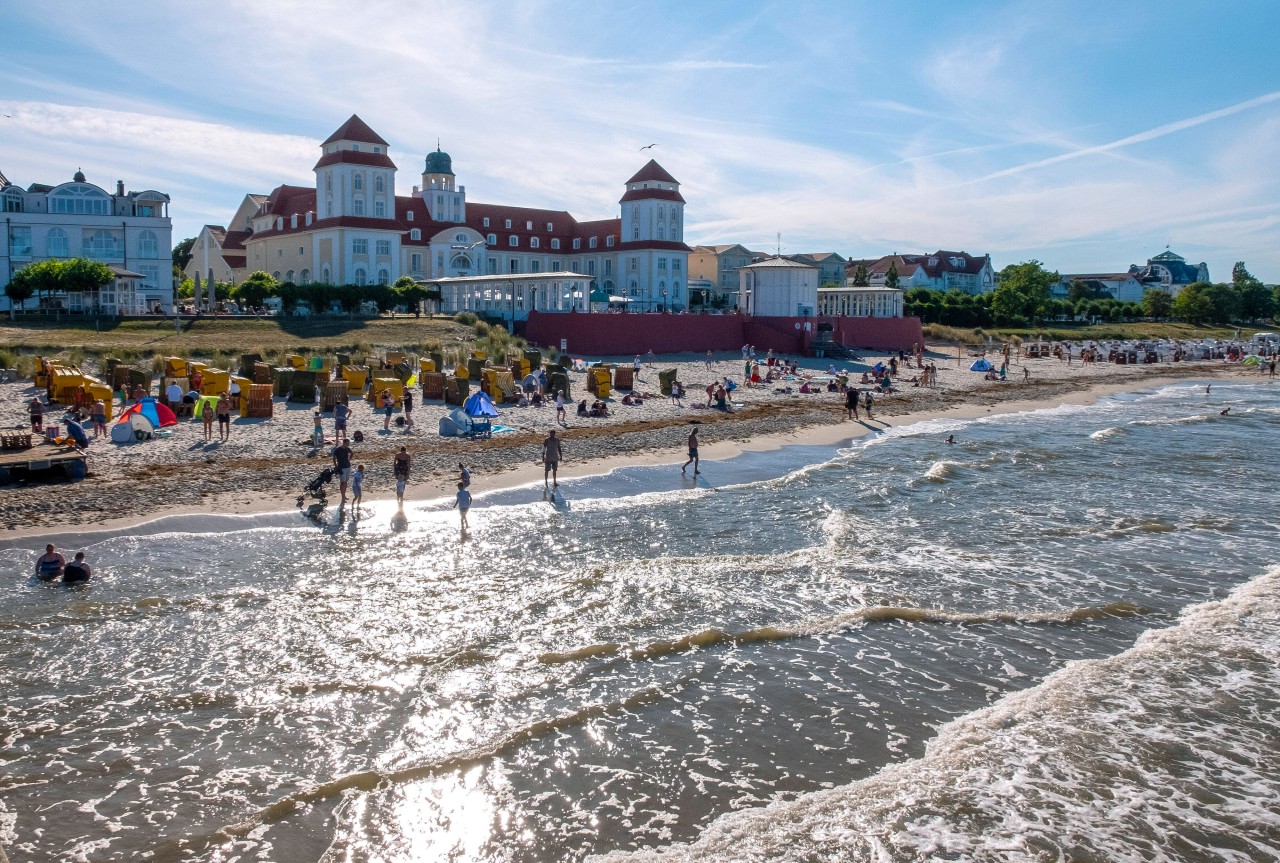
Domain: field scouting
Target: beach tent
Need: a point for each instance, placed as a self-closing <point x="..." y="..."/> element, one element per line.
<point x="1253" y="360"/>
<point x="157" y="414"/>
<point x="204" y="403"/>
<point x="123" y="432"/>
<point x="479" y="405"/>
<point x="980" y="365"/>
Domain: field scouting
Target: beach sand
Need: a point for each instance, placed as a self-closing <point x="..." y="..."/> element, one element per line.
<point x="266" y="463"/>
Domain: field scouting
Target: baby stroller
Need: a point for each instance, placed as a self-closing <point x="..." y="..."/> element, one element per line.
<point x="316" y="489"/>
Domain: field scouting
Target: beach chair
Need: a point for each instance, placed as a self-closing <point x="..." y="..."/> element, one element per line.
<point x="259" y="404"/>
<point x="355" y="376"/>
<point x="261" y="373"/>
<point x="295" y="361"/>
<point x="598" y="381"/>
<point x="665" y="379"/>
<point x="333" y="393"/>
<point x="475" y="368"/>
<point x="175" y="367"/>
<point x="378" y="384"/>
<point x="426" y="365"/>
<point x="623" y="378"/>
<point x="394" y="358"/>
<point x="214" y="382"/>
<point x="507" y="389"/>
<point x="519" y="368"/>
<point x="432" y="385"/>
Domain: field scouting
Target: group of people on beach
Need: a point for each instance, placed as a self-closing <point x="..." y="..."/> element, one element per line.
<point x="52" y="566"/>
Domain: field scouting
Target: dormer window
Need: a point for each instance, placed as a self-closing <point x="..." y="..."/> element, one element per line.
<point x="409" y="215"/>
<point x="591" y="243"/>
<point x="279" y="223"/>
<point x="293" y="221"/>
<point x="355" y="148"/>
<point x="550" y="227"/>
<point x="377" y="149"/>
<point x="415" y="234"/>
<point x="577" y="243"/>
<point x="608" y="241"/>
<point x="508" y="224"/>
<point x="533" y="243"/>
<point x="555" y="244"/>
<point x="528" y="226"/>
<point x="513" y="240"/>
<point x="491" y="239"/>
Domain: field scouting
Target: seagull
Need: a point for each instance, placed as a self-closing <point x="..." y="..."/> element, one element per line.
<point x="642" y="149"/>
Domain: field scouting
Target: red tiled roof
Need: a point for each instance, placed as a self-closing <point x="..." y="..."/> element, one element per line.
<point x="646" y="194"/>
<point x="355" y="157"/>
<point x="667" y="245"/>
<point x="233" y="240"/>
<point x="908" y="264"/>
<point x="355" y="129"/>
<point x="235" y="260"/>
<point x="285" y="200"/>
<point x="652" y="172"/>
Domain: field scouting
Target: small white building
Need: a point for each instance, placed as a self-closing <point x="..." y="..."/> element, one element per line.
<point x="512" y="297"/>
<point x="865" y="302"/>
<point x="131" y="232"/>
<point x="778" y="287"/>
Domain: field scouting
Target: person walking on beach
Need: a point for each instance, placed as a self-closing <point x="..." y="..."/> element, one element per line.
<point x="340" y="413"/>
<point x="693" y="452"/>
<point x="357" y="490"/>
<point x="560" y="417"/>
<point x="635" y="367"/>
<point x="223" y="410"/>
<point x="869" y="403"/>
<point x="552" y="452"/>
<point x="99" y="414"/>
<point x="49" y="565"/>
<point x="464" y="475"/>
<point x="851" y="403"/>
<point x="388" y="403"/>
<point x="710" y="358"/>
<point x="400" y="469"/>
<point x="463" y="503"/>
<point x="408" y="410"/>
<point x="206" y="416"/>
<point x="342" y="467"/>
<point x="36" y="410"/>
<point x="77" y="572"/>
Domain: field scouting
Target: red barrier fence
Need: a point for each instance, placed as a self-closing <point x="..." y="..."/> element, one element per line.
<point x="613" y="334"/>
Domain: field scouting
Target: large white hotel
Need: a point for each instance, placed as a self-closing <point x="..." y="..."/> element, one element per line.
<point x="352" y="228"/>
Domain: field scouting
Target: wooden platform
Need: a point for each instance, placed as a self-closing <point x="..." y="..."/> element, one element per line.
<point x="42" y="456"/>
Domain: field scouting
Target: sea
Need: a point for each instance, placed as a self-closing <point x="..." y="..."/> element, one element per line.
<point x="1055" y="639"/>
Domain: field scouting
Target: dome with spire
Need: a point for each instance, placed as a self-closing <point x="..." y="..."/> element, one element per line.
<point x="79" y="176"/>
<point x="438" y="162"/>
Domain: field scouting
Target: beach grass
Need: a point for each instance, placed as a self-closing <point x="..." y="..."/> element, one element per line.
<point x="227" y="336"/>
<point x="1059" y="332"/>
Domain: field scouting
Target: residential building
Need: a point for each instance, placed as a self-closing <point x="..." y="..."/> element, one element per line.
<point x="352" y="228"/>
<point x="940" y="271"/>
<point x="719" y="265"/>
<point x="1125" y="287"/>
<point x="131" y="232"/>
<point x="830" y="266"/>
<point x="778" y="287"/>
<point x="1170" y="271"/>
<point x="220" y="250"/>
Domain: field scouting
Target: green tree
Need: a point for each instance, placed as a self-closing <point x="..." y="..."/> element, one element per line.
<point x="20" y="289"/>
<point x="1080" y="290"/>
<point x="1157" y="303"/>
<point x="860" y="277"/>
<point x="1191" y="304"/>
<point x="254" y="290"/>
<point x="411" y="294"/>
<point x="891" y="277"/>
<point x="182" y="253"/>
<point x="1224" y="303"/>
<point x="84" y="275"/>
<point x="41" y="278"/>
<point x="1023" y="293"/>
<point x="1255" y="301"/>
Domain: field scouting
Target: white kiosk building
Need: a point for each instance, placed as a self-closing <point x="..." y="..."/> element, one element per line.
<point x="778" y="287"/>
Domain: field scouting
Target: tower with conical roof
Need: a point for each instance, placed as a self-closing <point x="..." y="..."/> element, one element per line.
<point x="445" y="201"/>
<point x="355" y="175"/>
<point x="654" y="259"/>
<point x="652" y="207"/>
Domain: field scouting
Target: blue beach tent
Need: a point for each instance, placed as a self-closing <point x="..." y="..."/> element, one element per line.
<point x="479" y="405"/>
<point x="980" y="365"/>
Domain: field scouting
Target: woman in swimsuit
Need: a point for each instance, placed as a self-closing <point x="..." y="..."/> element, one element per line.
<point x="49" y="565"/>
<point x="223" y="411"/>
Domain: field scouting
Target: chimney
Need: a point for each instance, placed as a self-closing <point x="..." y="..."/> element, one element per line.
<point x="415" y="190"/>
<point x="120" y="188"/>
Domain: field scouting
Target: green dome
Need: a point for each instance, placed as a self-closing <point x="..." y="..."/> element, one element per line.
<point x="438" y="163"/>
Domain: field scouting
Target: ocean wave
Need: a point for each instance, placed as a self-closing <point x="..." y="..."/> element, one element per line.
<point x="715" y="636"/>
<point x="1171" y="421"/>
<point x="941" y="471"/>
<point x="1103" y="434"/>
<point x="1142" y="755"/>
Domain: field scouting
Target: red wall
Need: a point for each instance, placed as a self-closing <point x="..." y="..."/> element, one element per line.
<point x="614" y="334"/>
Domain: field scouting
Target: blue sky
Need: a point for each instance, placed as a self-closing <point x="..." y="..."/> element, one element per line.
<point x="1087" y="135"/>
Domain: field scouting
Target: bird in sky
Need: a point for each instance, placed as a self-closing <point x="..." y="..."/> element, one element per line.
<point x="642" y="149"/>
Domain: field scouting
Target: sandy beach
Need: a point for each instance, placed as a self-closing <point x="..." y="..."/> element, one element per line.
<point x="266" y="463"/>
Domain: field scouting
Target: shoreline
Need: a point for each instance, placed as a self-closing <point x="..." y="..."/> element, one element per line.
<point x="230" y="509"/>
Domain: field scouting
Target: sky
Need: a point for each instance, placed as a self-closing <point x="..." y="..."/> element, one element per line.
<point x="1086" y="135"/>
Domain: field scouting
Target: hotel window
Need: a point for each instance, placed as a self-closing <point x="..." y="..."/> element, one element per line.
<point x="675" y="265"/>
<point x="415" y="234"/>
<point x="13" y="201"/>
<point x="591" y="268"/>
<point x="379" y="209"/>
<point x="514" y="266"/>
<point x="608" y="241"/>
<point x="662" y="231"/>
<point x="550" y="227"/>
<point x="383" y="277"/>
<point x="415" y="263"/>
<point x="513" y="240"/>
<point x="577" y="243"/>
<point x="635" y="264"/>
<point x="555" y="266"/>
<point x="377" y="149"/>
<point x="535" y="266"/>
<point x="288" y="276"/>
<point x="409" y="215"/>
<point x="534" y="243"/>
<point x="608" y="267"/>
<point x="508" y="224"/>
<point x="662" y="263"/>
<point x="591" y="243"/>
<point x="79" y="201"/>
<point x="20" y="242"/>
<point x="100" y="244"/>
<point x="378" y="185"/>
<point x="486" y="222"/>
<point x="305" y="277"/>
<point x="528" y="226"/>
<point x="148" y="245"/>
<point x="383" y="247"/>
<point x="555" y="244"/>
<point x="356" y="149"/>
<point x="439" y="262"/>
<point x="360" y="276"/>
<point x="359" y="247"/>
<point x="57" y="245"/>
<point x="357" y="182"/>
<point x="493" y="266"/>
<point x="357" y="207"/>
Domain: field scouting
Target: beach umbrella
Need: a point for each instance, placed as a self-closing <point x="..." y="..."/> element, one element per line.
<point x="196" y="279"/>
<point x="159" y="415"/>
<point x="479" y="405"/>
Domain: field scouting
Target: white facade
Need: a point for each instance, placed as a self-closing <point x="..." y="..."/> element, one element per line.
<point x="778" y="287"/>
<point x="866" y="302"/>
<point x="131" y="231"/>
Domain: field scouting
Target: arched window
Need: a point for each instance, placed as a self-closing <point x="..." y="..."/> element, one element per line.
<point x="56" y="244"/>
<point x="80" y="200"/>
<point x="324" y="276"/>
<point x="276" y="275"/>
<point x="491" y="239"/>
<point x="513" y="240"/>
<point x="555" y="244"/>
<point x="288" y="276"/>
<point x="383" y="277"/>
<point x="608" y="241"/>
<point x="591" y="243"/>
<point x="534" y="243"/>
<point x="378" y="184"/>
<point x="459" y="238"/>
<point x="357" y="182"/>
<point x="13" y="202"/>
<point x="100" y="244"/>
<point x="305" y="277"/>
<point x="460" y="262"/>
<point x="148" y="245"/>
<point x="662" y="213"/>
<point x="361" y="278"/>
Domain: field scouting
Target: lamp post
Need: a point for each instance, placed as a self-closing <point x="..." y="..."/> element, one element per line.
<point x="664" y="299"/>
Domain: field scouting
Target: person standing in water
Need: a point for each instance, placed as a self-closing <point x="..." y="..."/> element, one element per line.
<point x="49" y="565"/>
<point x="552" y="452"/>
<point x="77" y="572"/>
<point x="693" y="452"/>
<point x="357" y="489"/>
<point x="463" y="503"/>
<point x="400" y="469"/>
<point x="851" y="403"/>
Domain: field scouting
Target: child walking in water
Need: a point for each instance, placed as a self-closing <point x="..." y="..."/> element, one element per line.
<point x="463" y="503"/>
<point x="357" y="489"/>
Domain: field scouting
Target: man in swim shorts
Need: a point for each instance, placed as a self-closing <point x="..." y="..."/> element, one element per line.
<point x="552" y="452"/>
<point x="400" y="468"/>
<point x="693" y="452"/>
<point x="77" y="572"/>
<point x="342" y="466"/>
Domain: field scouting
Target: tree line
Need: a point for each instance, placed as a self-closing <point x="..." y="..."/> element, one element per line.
<point x="1023" y="296"/>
